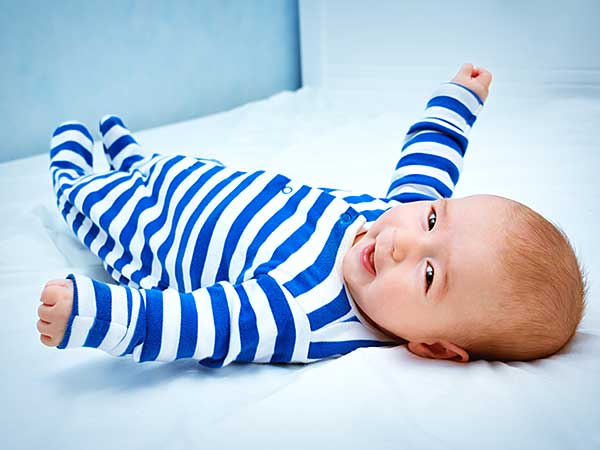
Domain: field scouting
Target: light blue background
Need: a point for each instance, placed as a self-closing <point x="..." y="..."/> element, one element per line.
<point x="152" y="62"/>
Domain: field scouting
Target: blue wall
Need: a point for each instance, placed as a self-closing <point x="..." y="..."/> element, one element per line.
<point x="153" y="62"/>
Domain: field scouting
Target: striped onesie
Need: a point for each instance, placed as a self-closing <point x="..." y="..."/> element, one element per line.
<point x="222" y="265"/>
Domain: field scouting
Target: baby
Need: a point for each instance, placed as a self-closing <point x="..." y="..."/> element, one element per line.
<point x="222" y="265"/>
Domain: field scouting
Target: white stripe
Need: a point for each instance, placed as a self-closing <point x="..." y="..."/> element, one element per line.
<point x="415" y="188"/>
<point x="267" y="328"/>
<point x="80" y="329"/>
<point x="205" y="343"/>
<point x="233" y="303"/>
<point x="86" y="312"/>
<point x="70" y="135"/>
<point x="429" y="171"/>
<point x="136" y="299"/>
<point x="171" y="326"/>
<point x="118" y="321"/>
<point x="346" y="331"/>
<point x="74" y="158"/>
<point x="449" y="115"/>
<point x="460" y="94"/>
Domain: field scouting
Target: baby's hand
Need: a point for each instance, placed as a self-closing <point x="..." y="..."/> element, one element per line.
<point x="477" y="79"/>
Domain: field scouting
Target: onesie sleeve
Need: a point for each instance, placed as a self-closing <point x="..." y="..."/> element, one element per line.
<point x="432" y="154"/>
<point x="253" y="321"/>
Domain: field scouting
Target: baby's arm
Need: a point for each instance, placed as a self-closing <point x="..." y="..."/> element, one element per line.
<point x="434" y="148"/>
<point x="215" y="325"/>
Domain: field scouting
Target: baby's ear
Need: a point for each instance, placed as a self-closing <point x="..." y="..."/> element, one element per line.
<point x="439" y="350"/>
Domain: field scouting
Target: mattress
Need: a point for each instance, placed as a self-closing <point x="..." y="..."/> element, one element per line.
<point x="539" y="147"/>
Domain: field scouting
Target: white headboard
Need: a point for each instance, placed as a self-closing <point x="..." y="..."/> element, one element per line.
<point x="354" y="43"/>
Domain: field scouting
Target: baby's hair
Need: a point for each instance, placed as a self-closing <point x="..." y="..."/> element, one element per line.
<point x="542" y="298"/>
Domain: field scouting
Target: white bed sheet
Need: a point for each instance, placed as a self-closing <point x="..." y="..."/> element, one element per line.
<point x="540" y="148"/>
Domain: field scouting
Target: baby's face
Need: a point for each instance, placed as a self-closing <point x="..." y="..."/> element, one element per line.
<point x="426" y="269"/>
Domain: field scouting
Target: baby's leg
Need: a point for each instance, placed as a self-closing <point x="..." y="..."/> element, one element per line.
<point x="122" y="150"/>
<point x="90" y="202"/>
<point x="71" y="164"/>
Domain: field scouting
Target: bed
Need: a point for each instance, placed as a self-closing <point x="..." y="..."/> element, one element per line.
<point x="540" y="149"/>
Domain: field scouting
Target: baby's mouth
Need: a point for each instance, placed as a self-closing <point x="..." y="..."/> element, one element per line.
<point x="367" y="259"/>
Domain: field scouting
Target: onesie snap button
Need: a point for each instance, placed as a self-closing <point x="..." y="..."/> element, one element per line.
<point x="287" y="189"/>
<point x="345" y="218"/>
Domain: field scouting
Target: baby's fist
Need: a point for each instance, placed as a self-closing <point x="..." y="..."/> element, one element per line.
<point x="477" y="79"/>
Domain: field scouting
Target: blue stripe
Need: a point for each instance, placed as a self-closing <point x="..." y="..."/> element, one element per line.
<point x="222" y="321"/>
<point x="438" y="138"/>
<point x="190" y="224"/>
<point x="425" y="180"/>
<point x="443" y="101"/>
<point x="460" y="140"/>
<point x="78" y="222"/>
<point x="154" y="324"/>
<point x="425" y="159"/>
<point x="353" y="199"/>
<point x="103" y="298"/>
<point x="407" y="197"/>
<point x="284" y="320"/>
<point x="351" y="319"/>
<point x="68" y="165"/>
<point x="287" y="211"/>
<point x="128" y="162"/>
<point x="120" y="144"/>
<point x="188" y="334"/>
<point x="323" y="265"/>
<point x="373" y="214"/>
<point x="248" y="327"/>
<point x="74" y="147"/>
<point x="330" y="312"/>
<point x="272" y="189"/>
<point x="201" y="247"/>
<point x="164" y="248"/>
<point x="320" y="350"/>
<point x="73" y="126"/>
<point x="109" y="123"/>
<point x="74" y="312"/>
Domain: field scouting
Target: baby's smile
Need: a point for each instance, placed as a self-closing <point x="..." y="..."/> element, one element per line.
<point x="367" y="258"/>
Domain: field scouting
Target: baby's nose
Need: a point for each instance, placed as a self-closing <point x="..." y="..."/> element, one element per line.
<point x="406" y="243"/>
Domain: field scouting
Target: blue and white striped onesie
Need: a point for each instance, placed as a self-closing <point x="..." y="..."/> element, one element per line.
<point x="222" y="265"/>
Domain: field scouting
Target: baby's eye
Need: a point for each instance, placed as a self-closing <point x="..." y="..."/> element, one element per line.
<point x="431" y="219"/>
<point x="428" y="277"/>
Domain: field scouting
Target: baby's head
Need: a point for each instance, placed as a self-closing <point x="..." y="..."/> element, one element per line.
<point x="476" y="277"/>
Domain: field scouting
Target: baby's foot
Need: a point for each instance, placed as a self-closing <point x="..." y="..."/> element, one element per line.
<point x="55" y="310"/>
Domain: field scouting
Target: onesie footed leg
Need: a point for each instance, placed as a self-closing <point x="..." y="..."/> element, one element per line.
<point x="55" y="310"/>
<point x="70" y="154"/>
<point x="122" y="150"/>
